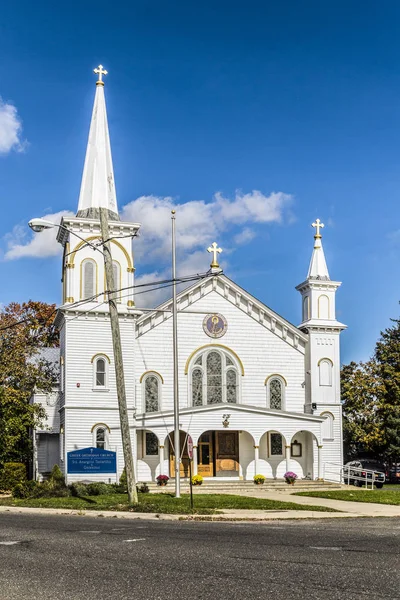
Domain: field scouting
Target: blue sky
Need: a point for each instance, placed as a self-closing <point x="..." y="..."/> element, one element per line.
<point x="296" y="98"/>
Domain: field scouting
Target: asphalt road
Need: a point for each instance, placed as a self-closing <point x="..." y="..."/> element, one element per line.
<point x="64" y="557"/>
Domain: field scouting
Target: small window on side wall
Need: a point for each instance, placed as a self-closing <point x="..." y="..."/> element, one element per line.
<point x="100" y="372"/>
<point x="100" y="436"/>
<point x="275" y="392"/>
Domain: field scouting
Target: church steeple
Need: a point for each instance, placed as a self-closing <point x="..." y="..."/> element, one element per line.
<point x="98" y="186"/>
<point x="318" y="268"/>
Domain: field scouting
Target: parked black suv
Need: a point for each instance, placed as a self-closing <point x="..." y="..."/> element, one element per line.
<point x="360" y="472"/>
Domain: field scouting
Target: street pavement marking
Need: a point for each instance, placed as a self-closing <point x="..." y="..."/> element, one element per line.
<point x="8" y="543"/>
<point x="326" y="547"/>
<point x="136" y="540"/>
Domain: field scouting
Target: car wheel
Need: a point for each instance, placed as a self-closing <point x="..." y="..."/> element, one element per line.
<point x="379" y="485"/>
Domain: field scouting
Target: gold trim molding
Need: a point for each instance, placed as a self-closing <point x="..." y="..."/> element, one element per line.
<point x="102" y="354"/>
<point x="275" y="375"/>
<point x="148" y="373"/>
<point x="98" y="237"/>
<point x="213" y="346"/>
<point x="100" y="425"/>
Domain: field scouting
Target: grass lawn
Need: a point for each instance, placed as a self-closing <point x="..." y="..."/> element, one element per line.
<point x="204" y="504"/>
<point x="387" y="495"/>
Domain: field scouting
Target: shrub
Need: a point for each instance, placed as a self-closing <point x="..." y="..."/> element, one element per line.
<point x="123" y="480"/>
<point x="78" y="489"/>
<point x="259" y="479"/>
<point x="12" y="474"/>
<point x="197" y="480"/>
<point x="98" y="488"/>
<point x="24" y="490"/>
<point x="56" y="476"/>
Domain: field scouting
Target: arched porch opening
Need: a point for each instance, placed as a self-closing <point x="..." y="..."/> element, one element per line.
<point x="183" y="453"/>
<point x="304" y="455"/>
<point x="148" y="455"/>
<point x="272" y="454"/>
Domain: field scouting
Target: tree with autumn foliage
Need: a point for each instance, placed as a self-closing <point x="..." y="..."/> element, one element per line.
<point x="24" y="329"/>
<point x="371" y="401"/>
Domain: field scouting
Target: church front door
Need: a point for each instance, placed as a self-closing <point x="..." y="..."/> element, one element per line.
<point x="205" y="455"/>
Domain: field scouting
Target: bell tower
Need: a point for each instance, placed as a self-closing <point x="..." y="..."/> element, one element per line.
<point x="83" y="265"/>
<point x="318" y="294"/>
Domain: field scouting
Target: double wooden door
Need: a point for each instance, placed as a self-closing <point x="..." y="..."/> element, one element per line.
<point x="218" y="454"/>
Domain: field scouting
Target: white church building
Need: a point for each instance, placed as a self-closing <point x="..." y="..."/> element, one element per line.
<point x="256" y="393"/>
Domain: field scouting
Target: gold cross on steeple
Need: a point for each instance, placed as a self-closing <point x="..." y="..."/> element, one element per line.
<point x="215" y="251"/>
<point x="100" y="71"/>
<point x="317" y="225"/>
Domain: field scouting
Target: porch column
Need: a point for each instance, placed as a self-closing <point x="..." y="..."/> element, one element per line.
<point x="287" y="455"/>
<point x="256" y="457"/>
<point x="194" y="460"/>
<point x="161" y="460"/>
<point x="320" y="463"/>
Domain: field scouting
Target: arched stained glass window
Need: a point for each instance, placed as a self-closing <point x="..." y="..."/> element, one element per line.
<point x="101" y="438"/>
<point x="151" y="393"/>
<point x="214" y="378"/>
<point x="197" y="387"/>
<point x="275" y="394"/>
<point x="231" y="386"/>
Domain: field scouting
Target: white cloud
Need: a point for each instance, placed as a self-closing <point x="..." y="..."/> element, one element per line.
<point x="199" y="223"/>
<point x="245" y="236"/>
<point x="10" y="129"/>
<point x="21" y="242"/>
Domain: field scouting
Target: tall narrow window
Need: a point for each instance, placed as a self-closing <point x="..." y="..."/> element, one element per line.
<point x="100" y="372"/>
<point x="117" y="280"/>
<point x="231" y="385"/>
<point x="88" y="275"/>
<point x="151" y="394"/>
<point x="327" y="426"/>
<point x="323" y="307"/>
<point x="197" y="387"/>
<point x="306" y="308"/>
<point x="275" y="394"/>
<point x="101" y="438"/>
<point x="275" y="444"/>
<point x="214" y="378"/>
<point x="151" y="444"/>
<point x="325" y="372"/>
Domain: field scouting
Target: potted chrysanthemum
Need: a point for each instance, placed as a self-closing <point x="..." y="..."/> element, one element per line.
<point x="197" y="480"/>
<point x="259" y="479"/>
<point x="290" y="477"/>
<point x="162" y="480"/>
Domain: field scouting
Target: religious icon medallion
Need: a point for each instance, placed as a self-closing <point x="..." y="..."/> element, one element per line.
<point x="215" y="325"/>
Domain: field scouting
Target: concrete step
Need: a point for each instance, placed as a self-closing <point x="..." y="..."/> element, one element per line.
<point x="247" y="487"/>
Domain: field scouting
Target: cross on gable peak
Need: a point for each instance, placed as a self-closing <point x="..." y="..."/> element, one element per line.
<point x="215" y="251"/>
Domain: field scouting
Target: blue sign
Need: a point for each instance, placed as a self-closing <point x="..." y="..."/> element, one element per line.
<point x="91" y="461"/>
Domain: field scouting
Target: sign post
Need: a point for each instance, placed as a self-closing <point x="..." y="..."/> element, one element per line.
<point x="190" y="455"/>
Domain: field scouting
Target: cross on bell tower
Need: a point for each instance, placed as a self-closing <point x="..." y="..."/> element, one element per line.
<point x="317" y="226"/>
<point x="100" y="71"/>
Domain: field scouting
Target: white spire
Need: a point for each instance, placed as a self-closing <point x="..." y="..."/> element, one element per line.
<point x="98" y="187"/>
<point x="318" y="268"/>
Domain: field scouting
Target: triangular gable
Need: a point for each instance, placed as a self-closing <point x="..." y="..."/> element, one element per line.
<point x="233" y="293"/>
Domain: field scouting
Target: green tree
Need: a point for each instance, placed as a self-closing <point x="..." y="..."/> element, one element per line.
<point x="371" y="400"/>
<point x="387" y="357"/>
<point x="361" y="394"/>
<point x="24" y="329"/>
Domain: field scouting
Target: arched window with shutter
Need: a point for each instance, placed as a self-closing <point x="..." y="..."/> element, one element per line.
<point x="88" y="279"/>
<point x="325" y="367"/>
<point x="327" y="426"/>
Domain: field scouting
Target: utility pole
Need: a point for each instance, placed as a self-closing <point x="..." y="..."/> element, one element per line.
<point x="118" y="361"/>
<point x="177" y="439"/>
